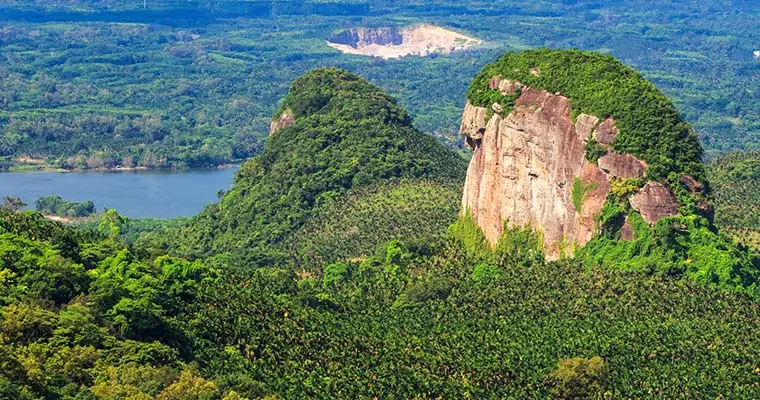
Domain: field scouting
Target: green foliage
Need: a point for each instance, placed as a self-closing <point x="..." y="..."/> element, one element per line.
<point x="579" y="191"/>
<point x="578" y="378"/>
<point x="353" y="225"/>
<point x="352" y="135"/>
<point x="594" y="150"/>
<point x="611" y="219"/>
<point x="80" y="317"/>
<point x="467" y="231"/>
<point x="334" y="274"/>
<point x="450" y="318"/>
<point x="519" y="246"/>
<point x="438" y="333"/>
<point x="55" y="205"/>
<point x="485" y="273"/>
<point x="673" y="246"/>
<point x="648" y="123"/>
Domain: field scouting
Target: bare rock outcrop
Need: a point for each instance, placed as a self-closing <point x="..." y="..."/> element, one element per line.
<point x="654" y="202"/>
<point x="473" y="124"/>
<point x="606" y="132"/>
<point x="623" y="165"/>
<point x="286" y="120"/>
<point x="361" y="37"/>
<point x="525" y="167"/>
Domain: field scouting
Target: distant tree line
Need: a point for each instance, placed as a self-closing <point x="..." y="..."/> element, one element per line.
<point x="55" y="205"/>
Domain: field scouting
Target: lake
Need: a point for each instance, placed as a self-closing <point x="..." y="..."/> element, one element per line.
<point x="136" y="194"/>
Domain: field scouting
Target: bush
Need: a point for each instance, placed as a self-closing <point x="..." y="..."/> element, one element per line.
<point x="578" y="378"/>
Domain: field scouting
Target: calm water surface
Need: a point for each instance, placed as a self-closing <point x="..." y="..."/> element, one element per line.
<point x="137" y="194"/>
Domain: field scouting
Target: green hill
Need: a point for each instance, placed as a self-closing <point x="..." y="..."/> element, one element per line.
<point x="347" y="134"/>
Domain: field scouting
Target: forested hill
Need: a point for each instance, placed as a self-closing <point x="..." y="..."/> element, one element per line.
<point x="346" y="134"/>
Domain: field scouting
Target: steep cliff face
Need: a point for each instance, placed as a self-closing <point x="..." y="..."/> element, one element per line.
<point x="362" y="37"/>
<point x="529" y="169"/>
<point x="420" y="39"/>
<point x="554" y="160"/>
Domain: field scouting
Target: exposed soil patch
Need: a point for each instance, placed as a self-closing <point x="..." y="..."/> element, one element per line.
<point x="419" y="40"/>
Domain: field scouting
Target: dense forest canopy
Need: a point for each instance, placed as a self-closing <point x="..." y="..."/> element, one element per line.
<point x="735" y="178"/>
<point x="82" y="316"/>
<point x="87" y="91"/>
<point x="315" y="277"/>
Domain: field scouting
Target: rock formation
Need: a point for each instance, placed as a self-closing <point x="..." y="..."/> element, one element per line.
<point x="623" y="166"/>
<point x="286" y="120"/>
<point x="529" y="169"/>
<point x="362" y="37"/>
<point x="654" y="201"/>
<point x="386" y="43"/>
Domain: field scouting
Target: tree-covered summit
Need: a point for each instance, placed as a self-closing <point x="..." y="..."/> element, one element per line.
<point x="347" y="133"/>
<point x="649" y="125"/>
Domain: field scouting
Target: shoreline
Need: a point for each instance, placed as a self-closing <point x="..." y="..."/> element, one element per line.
<point x="21" y="169"/>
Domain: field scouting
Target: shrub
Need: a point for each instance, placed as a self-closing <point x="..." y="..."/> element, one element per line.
<point x="578" y="378"/>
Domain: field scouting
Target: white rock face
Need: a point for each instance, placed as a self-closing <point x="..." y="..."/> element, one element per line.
<point x="419" y="40"/>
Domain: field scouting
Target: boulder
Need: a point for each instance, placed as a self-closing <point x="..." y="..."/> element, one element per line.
<point x="624" y="166"/>
<point x="654" y="202"/>
<point x="286" y="120"/>
<point x="606" y="132"/>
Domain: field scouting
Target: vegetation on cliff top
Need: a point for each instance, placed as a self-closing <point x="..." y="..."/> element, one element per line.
<point x="648" y="123"/>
